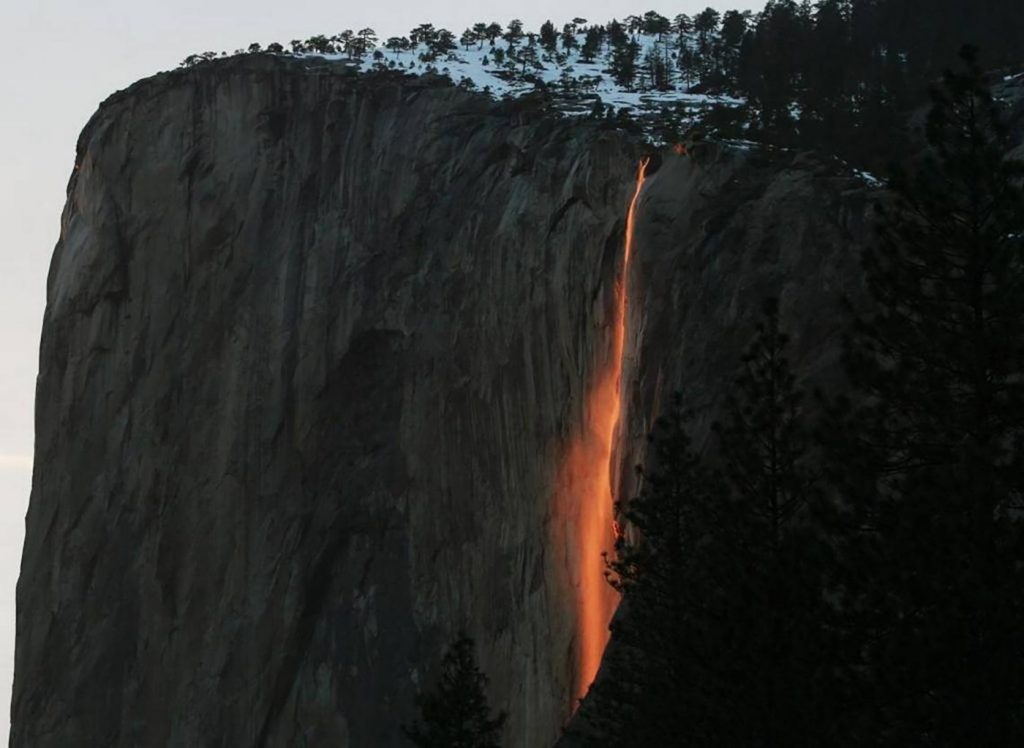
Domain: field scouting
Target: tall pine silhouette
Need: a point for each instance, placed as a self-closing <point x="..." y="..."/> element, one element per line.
<point x="456" y="714"/>
<point x="724" y="620"/>
<point x="933" y="470"/>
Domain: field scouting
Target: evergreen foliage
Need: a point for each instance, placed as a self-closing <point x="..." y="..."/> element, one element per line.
<point x="658" y="578"/>
<point x="838" y="75"/>
<point x="456" y="714"/>
<point x="724" y="617"/>
<point x="548" y="36"/>
<point x="938" y="369"/>
<point x="623" y="63"/>
<point x="863" y="583"/>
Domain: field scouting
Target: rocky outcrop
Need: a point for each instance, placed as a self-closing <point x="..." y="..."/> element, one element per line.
<point x="313" y="345"/>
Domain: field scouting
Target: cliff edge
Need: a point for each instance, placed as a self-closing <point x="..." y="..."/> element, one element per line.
<point x="314" y="345"/>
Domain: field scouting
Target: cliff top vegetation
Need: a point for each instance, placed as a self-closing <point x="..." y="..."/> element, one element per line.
<point x="838" y="75"/>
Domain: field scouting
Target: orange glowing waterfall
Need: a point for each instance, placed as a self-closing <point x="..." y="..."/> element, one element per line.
<point x="587" y="479"/>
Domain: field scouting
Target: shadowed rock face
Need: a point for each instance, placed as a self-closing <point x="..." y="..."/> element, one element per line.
<point x="313" y="345"/>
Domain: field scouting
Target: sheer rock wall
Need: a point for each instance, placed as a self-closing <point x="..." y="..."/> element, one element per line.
<point x="313" y="344"/>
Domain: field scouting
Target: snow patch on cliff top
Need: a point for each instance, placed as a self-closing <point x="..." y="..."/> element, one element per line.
<point x="577" y="84"/>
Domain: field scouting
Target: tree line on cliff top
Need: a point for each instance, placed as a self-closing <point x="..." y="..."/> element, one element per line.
<point x="835" y="74"/>
<point x="839" y="569"/>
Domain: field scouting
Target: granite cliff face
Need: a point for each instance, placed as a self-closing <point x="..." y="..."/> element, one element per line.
<point x="313" y="349"/>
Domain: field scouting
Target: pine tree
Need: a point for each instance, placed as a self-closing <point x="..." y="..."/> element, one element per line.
<point x="569" y="42"/>
<point x="424" y="33"/>
<point x="616" y="33"/>
<point x="548" y="37"/>
<point x="623" y="62"/>
<point x="493" y="32"/>
<point x="662" y="577"/>
<point x="933" y="471"/>
<point x="655" y="24"/>
<point x="682" y="25"/>
<point x="774" y="668"/>
<point x="734" y="28"/>
<point x="725" y="627"/>
<point x="514" y="33"/>
<point x="824" y="102"/>
<point x="481" y="33"/>
<point x="591" y="44"/>
<point x="456" y="714"/>
<point x="364" y="42"/>
<point x="657" y="70"/>
<point x="705" y="24"/>
<point x="763" y="438"/>
<point x="775" y="65"/>
<point x="397" y="44"/>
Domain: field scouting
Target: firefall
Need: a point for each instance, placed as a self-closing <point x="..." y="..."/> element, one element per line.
<point x="587" y="474"/>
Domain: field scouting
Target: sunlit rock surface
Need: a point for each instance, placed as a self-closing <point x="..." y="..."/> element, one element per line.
<point x="313" y="348"/>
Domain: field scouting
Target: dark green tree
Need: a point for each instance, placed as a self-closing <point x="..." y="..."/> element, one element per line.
<point x="662" y="574"/>
<point x="363" y="43"/>
<point x="724" y="635"/>
<point x="397" y="44"/>
<point x="514" y="33"/>
<point x="763" y="438"/>
<point x="774" y="669"/>
<point x="493" y="32"/>
<point x="440" y="44"/>
<point x="656" y="70"/>
<point x="932" y="469"/>
<point x="480" y="31"/>
<point x="705" y="24"/>
<point x="623" y="61"/>
<point x="455" y="714"/>
<point x="591" y="44"/>
<point x="425" y="33"/>
<point x="772" y="70"/>
<point x="569" y="42"/>
<point x="616" y="33"/>
<point x="548" y="37"/>
<point x="824" y="101"/>
<point x="682" y="25"/>
<point x="320" y="44"/>
<point x="655" y="24"/>
<point x="734" y="28"/>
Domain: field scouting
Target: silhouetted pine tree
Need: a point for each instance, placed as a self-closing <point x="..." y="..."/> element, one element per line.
<point x="724" y="625"/>
<point x="931" y="466"/>
<point x="734" y="28"/>
<point x="772" y="655"/>
<point x="664" y="579"/>
<point x="591" y="44"/>
<point x="623" y="60"/>
<point x="456" y="714"/>
<point x="548" y="37"/>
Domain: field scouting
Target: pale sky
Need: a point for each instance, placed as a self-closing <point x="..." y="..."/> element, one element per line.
<point x="61" y="58"/>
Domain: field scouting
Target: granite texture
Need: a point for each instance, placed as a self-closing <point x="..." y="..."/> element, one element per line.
<point x="313" y="348"/>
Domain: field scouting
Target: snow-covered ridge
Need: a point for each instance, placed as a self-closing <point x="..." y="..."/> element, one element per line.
<point x="668" y="81"/>
<point x="564" y="72"/>
<point x="583" y="77"/>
